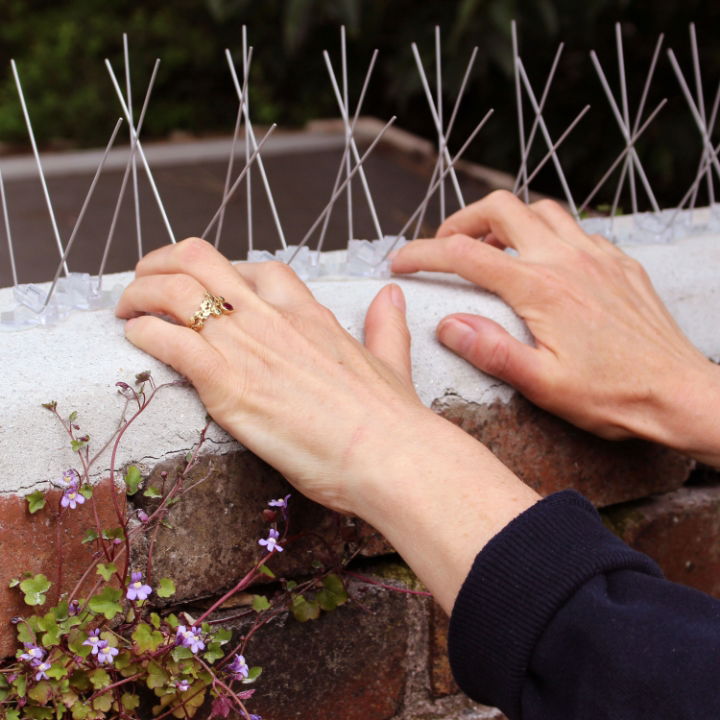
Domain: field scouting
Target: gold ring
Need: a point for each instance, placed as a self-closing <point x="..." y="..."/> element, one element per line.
<point x="210" y="305"/>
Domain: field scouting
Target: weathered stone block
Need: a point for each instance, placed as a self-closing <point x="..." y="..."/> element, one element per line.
<point x="213" y="538"/>
<point x="679" y="530"/>
<point x="349" y="664"/>
<point x="550" y="454"/>
<point x="34" y="543"/>
<point x="442" y="682"/>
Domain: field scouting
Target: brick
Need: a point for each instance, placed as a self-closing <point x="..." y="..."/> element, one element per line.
<point x="550" y="454"/>
<point x="216" y="526"/>
<point x="349" y="664"/>
<point x="29" y="543"/>
<point x="679" y="530"/>
<point x="442" y="682"/>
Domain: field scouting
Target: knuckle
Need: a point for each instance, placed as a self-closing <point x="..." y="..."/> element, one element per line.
<point x="461" y="246"/>
<point x="497" y="359"/>
<point x="182" y="288"/>
<point x="193" y="249"/>
<point x="279" y="270"/>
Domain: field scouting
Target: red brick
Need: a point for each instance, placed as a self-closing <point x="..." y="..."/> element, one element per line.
<point x="350" y="664"/>
<point x="679" y="530"/>
<point x="549" y="454"/>
<point x="442" y="682"/>
<point x="29" y="543"/>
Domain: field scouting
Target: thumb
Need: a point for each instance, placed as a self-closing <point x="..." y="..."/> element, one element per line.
<point x="489" y="347"/>
<point x="386" y="331"/>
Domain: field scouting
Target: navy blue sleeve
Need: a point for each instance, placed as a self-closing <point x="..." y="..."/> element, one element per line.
<point x="560" y="620"/>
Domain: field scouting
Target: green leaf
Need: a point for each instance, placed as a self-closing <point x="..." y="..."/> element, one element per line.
<point x="146" y="638"/>
<point x="40" y="693"/>
<point x="73" y="416"/>
<point x="291" y="585"/>
<point x="12" y="714"/>
<point x="57" y="672"/>
<point x="253" y="674"/>
<point x="20" y="684"/>
<point x="156" y="676"/>
<point x="130" y="701"/>
<point x="172" y="620"/>
<point x="86" y="491"/>
<point x="223" y="635"/>
<point x="39" y="713"/>
<point x="106" y="571"/>
<point x="152" y="492"/>
<point x="89" y="536"/>
<point x="156" y="620"/>
<point x="214" y="652"/>
<point x="106" y="602"/>
<point x="332" y="594"/>
<point x="133" y="478"/>
<point x="181" y="653"/>
<point x="100" y="678"/>
<point x="103" y="702"/>
<point x="113" y="534"/>
<point x="265" y="570"/>
<point x="35" y="501"/>
<point x="303" y="610"/>
<point x="165" y="588"/>
<point x="34" y="589"/>
<point x="14" y="582"/>
<point x="25" y="633"/>
<point x="80" y="711"/>
<point x="260" y="603"/>
<point x="75" y="643"/>
<point x="77" y="445"/>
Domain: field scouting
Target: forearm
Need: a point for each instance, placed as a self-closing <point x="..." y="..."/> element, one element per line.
<point x="685" y="414"/>
<point x="439" y="497"/>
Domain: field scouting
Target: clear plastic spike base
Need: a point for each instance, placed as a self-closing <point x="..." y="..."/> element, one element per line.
<point x="77" y="291"/>
<point x="363" y="258"/>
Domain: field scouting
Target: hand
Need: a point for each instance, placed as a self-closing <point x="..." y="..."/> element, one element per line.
<point x="341" y="421"/>
<point x="608" y="356"/>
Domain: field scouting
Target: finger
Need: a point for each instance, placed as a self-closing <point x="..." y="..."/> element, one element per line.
<point x="177" y="296"/>
<point x="561" y="222"/>
<point x="182" y="349"/>
<point x="386" y="331"/>
<point x="275" y="282"/>
<point x="199" y="259"/>
<point x="483" y="264"/>
<point x="504" y="215"/>
<point x="489" y="347"/>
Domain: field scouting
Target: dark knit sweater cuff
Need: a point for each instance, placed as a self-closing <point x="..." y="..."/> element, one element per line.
<point x="517" y="584"/>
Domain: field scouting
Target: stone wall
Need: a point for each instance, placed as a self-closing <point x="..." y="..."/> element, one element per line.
<point x="381" y="656"/>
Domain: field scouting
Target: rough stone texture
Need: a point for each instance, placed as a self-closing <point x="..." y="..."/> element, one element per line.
<point x="549" y="454"/>
<point x="679" y="530"/>
<point x="442" y="682"/>
<point x="29" y="543"/>
<point x="350" y="664"/>
<point x="215" y="528"/>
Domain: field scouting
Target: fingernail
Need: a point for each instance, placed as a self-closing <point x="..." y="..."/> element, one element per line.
<point x="397" y="298"/>
<point x="456" y="335"/>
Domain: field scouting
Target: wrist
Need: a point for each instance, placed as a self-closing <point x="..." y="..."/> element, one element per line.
<point x="439" y="497"/>
<point x="684" y="416"/>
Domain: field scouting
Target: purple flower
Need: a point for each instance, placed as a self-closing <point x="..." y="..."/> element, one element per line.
<point x="70" y="479"/>
<point x="94" y="641"/>
<point x="137" y="590"/>
<point x="106" y="653"/>
<point x="143" y="517"/>
<point x="72" y="498"/>
<point x="280" y="502"/>
<point x="271" y="543"/>
<point x="182" y="685"/>
<point x="73" y="608"/>
<point x="33" y="654"/>
<point x="190" y="638"/>
<point x="238" y="667"/>
<point x="41" y="673"/>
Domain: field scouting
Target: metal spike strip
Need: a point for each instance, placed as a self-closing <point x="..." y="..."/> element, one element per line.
<point x="46" y="193"/>
<point x="140" y="151"/>
<point x="126" y="175"/>
<point x="133" y="152"/>
<point x="81" y="215"/>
